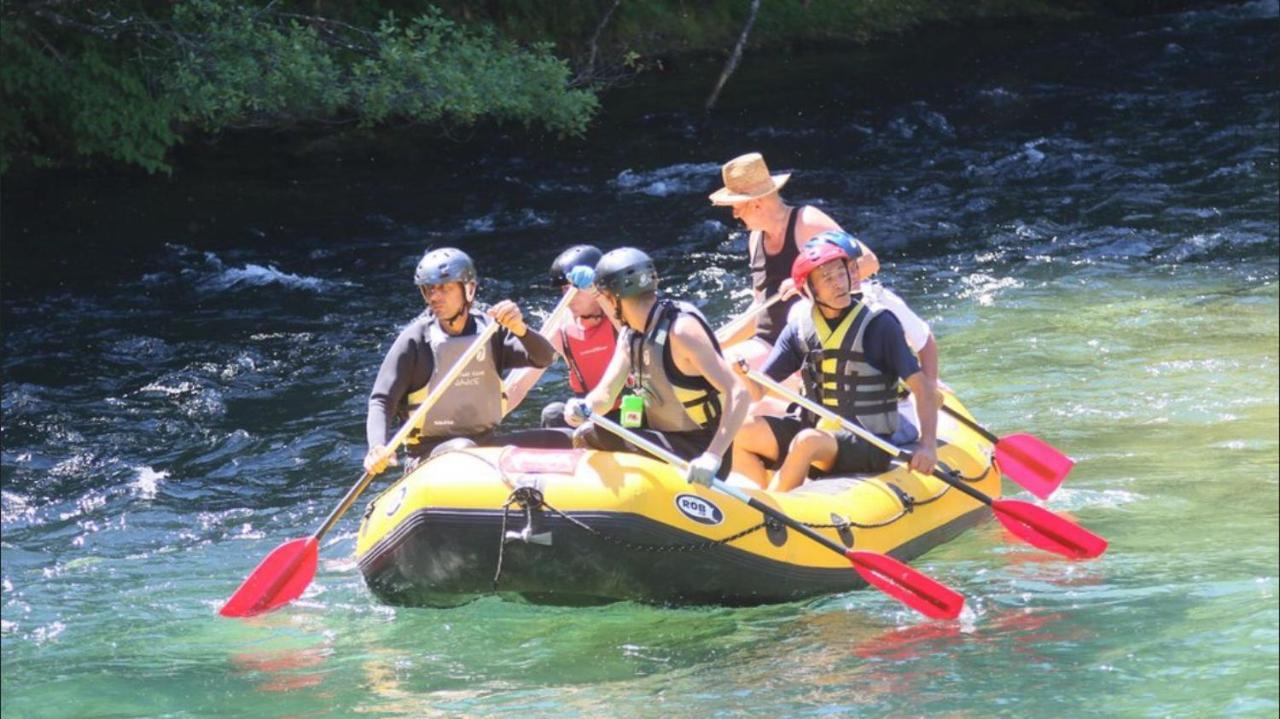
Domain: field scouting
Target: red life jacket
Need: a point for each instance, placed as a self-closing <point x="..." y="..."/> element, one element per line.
<point x="587" y="352"/>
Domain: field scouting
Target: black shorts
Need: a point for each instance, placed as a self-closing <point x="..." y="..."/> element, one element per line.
<point x="853" y="454"/>
<point x="685" y="445"/>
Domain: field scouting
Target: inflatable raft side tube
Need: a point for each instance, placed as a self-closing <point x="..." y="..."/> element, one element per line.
<point x="441" y="557"/>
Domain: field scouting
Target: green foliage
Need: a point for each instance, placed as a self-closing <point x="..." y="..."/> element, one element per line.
<point x="432" y="70"/>
<point x="655" y="27"/>
<point x="77" y="103"/>
<point x="73" y="89"/>
<point x="124" y="80"/>
<point x="233" y="69"/>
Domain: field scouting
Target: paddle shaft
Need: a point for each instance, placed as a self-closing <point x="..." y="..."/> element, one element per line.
<point x="666" y="456"/>
<point x="557" y="314"/>
<point x="412" y="423"/>
<point x="516" y="386"/>
<point x="751" y="313"/>
<point x="985" y="434"/>
<point x="892" y="451"/>
<point x="1032" y="463"/>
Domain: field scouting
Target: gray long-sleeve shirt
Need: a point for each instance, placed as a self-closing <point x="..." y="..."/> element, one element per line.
<point x="409" y="365"/>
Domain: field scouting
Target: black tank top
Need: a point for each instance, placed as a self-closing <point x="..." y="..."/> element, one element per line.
<point x="767" y="273"/>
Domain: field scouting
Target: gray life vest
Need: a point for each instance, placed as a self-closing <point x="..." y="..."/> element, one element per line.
<point x="673" y="401"/>
<point x="473" y="404"/>
<point x="836" y="373"/>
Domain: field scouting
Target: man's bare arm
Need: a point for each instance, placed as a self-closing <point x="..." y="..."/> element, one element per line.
<point x="695" y="355"/>
<point x="601" y="398"/>
<point x="925" y="390"/>
<point x="520" y="381"/>
<point x="813" y="221"/>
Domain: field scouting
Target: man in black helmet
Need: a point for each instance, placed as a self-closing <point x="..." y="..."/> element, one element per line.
<point x="693" y="402"/>
<point x="586" y="341"/>
<point x="428" y="347"/>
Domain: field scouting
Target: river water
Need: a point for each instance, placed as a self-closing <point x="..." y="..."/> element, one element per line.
<point x="1087" y="214"/>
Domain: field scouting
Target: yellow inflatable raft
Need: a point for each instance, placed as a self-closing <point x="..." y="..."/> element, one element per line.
<point x="578" y="526"/>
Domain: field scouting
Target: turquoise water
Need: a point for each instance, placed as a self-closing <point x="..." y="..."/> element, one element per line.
<point x="1177" y="456"/>
<point x="1100" y="268"/>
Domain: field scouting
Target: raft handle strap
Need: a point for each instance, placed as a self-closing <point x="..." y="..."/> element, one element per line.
<point x="955" y="473"/>
<point x="908" y="502"/>
<point x="528" y="497"/>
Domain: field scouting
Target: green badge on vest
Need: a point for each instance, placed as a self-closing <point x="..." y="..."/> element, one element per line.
<point x="632" y="411"/>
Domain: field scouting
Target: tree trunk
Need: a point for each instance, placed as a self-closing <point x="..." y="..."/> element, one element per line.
<point x="735" y="57"/>
<point x="589" y="73"/>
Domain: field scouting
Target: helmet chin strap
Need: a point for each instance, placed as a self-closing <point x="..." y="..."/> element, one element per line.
<point x="617" y="310"/>
<point x="468" y="299"/>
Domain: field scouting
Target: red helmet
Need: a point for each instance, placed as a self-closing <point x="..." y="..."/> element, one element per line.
<point x="812" y="256"/>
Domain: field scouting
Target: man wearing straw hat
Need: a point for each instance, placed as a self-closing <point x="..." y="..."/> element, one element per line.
<point x="778" y="231"/>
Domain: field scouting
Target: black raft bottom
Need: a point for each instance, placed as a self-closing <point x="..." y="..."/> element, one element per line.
<point x="449" y="557"/>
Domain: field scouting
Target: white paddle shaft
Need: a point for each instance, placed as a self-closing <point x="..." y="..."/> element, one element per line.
<point x="548" y="326"/>
<point x="749" y="314"/>
<point x="767" y="382"/>
<point x="661" y="453"/>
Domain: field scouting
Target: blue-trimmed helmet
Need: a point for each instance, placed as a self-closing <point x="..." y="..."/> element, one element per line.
<point x="845" y="241"/>
<point x="571" y="258"/>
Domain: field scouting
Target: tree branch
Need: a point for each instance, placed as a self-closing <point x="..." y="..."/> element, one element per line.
<point x="589" y="72"/>
<point x="735" y="57"/>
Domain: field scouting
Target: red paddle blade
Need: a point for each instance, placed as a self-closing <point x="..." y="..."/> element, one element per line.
<point x="278" y="580"/>
<point x="1041" y="528"/>
<point x="1033" y="463"/>
<point x="909" y="586"/>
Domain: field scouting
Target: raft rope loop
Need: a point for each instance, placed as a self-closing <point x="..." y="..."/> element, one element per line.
<point x="528" y="497"/>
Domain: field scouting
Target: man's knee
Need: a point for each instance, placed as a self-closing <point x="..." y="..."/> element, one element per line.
<point x="756" y="437"/>
<point x="589" y="436"/>
<point x="808" y="439"/>
<point x="814" y="444"/>
<point x="553" y="416"/>
<point x="583" y="436"/>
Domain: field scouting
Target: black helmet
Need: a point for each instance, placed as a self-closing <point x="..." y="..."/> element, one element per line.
<point x="444" y="265"/>
<point x="626" y="272"/>
<point x="571" y="258"/>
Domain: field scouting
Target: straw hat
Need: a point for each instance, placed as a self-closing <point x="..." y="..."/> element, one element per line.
<point x="746" y="178"/>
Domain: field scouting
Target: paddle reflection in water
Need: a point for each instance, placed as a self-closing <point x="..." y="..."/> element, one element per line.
<point x="282" y="670"/>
